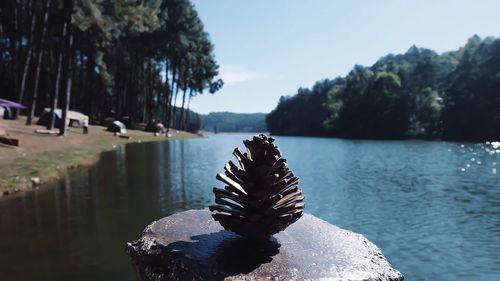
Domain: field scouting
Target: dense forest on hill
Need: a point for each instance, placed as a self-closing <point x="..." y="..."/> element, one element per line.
<point x="133" y="58"/>
<point x="234" y="122"/>
<point x="418" y="94"/>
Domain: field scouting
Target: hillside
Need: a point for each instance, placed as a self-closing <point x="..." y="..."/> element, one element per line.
<point x="418" y="94"/>
<point x="234" y="122"/>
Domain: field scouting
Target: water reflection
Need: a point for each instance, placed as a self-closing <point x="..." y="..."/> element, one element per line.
<point x="432" y="207"/>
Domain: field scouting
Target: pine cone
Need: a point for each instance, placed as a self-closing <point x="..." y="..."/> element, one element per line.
<point x="261" y="197"/>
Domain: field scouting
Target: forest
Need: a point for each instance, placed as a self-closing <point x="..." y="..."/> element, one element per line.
<point x="234" y="122"/>
<point x="416" y="95"/>
<point x="131" y="60"/>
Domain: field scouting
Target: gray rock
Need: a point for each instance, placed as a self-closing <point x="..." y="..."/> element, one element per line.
<point x="192" y="246"/>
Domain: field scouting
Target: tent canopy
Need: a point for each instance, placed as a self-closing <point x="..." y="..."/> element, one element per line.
<point x="117" y="127"/>
<point x="72" y="115"/>
<point x="75" y="115"/>
<point x="155" y="128"/>
<point x="44" y="119"/>
<point x="73" y="118"/>
<point x="10" y="104"/>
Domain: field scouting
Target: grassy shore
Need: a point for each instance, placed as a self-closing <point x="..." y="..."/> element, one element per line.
<point x="47" y="157"/>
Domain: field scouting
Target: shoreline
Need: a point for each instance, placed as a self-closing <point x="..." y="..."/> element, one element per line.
<point x="44" y="159"/>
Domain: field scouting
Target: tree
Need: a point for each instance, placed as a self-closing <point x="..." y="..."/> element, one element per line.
<point x="28" y="58"/>
<point x="69" y="70"/>
<point x="128" y="59"/>
<point x="418" y="94"/>
<point x="41" y="46"/>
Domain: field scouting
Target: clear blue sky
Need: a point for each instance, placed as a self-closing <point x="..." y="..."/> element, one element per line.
<point x="270" y="48"/>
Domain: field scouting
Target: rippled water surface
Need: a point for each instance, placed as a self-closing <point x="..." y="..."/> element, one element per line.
<point x="432" y="207"/>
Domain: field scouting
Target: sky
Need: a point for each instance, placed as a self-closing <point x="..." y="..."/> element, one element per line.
<point x="270" y="48"/>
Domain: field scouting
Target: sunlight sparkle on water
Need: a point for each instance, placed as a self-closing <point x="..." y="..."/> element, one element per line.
<point x="495" y="144"/>
<point x="480" y="154"/>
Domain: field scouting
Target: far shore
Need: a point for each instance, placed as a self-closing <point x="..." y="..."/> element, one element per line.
<point x="43" y="158"/>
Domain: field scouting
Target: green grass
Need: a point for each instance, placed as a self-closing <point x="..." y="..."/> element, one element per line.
<point x="49" y="166"/>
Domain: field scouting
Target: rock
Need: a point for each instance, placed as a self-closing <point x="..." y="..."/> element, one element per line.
<point x="192" y="246"/>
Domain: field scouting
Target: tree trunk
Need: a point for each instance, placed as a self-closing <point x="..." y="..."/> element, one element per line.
<point x="28" y="60"/>
<point x="115" y="99"/>
<point x="124" y="103"/>
<point x="69" y="71"/>
<point x="2" y="68"/>
<point x="89" y="86"/>
<point x="21" y="53"/>
<point x="140" y="77"/>
<point x="58" y="79"/>
<point x="181" y="121"/>
<point x="149" y="93"/>
<point x="167" y="94"/>
<point x="187" y="112"/>
<point x="14" y="48"/>
<point x="77" y="101"/>
<point x="203" y="250"/>
<point x="132" y="99"/>
<point x="29" y="121"/>
<point x="169" y="104"/>
<point x="152" y="92"/>
<point x="174" y="116"/>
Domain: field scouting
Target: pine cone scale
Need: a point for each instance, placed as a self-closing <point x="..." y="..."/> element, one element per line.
<point x="229" y="203"/>
<point x="223" y="193"/>
<point x="238" y="173"/>
<point x="225" y="209"/>
<point x="241" y="159"/>
<point x="235" y="187"/>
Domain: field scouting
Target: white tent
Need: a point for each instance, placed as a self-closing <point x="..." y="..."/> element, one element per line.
<point x="73" y="119"/>
<point x="76" y="119"/>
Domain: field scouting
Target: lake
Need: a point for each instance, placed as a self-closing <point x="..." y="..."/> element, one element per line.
<point x="432" y="207"/>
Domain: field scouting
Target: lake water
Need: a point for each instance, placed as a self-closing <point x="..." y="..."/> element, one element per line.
<point x="432" y="207"/>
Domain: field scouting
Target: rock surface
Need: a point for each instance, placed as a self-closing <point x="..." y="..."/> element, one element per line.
<point x="192" y="246"/>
